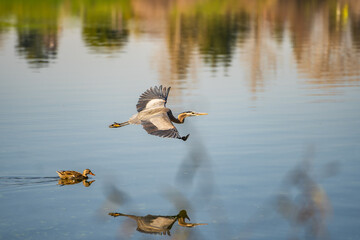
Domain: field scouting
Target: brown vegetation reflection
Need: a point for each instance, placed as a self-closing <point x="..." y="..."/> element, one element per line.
<point x="322" y="37"/>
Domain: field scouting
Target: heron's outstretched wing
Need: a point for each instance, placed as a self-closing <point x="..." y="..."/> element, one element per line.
<point x="152" y="98"/>
<point x="160" y="125"/>
<point x="155" y="224"/>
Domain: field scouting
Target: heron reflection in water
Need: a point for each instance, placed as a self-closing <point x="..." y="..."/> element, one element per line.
<point x="157" y="224"/>
<point x="155" y="117"/>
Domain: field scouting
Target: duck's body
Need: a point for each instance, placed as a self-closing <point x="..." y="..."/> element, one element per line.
<point x="68" y="174"/>
<point x="155" y="117"/>
<point x="155" y="224"/>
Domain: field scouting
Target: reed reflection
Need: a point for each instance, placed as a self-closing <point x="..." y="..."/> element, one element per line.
<point x="159" y="224"/>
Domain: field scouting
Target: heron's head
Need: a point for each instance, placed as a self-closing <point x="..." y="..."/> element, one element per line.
<point x="88" y="171"/>
<point x="183" y="115"/>
<point x="192" y="113"/>
<point x="183" y="214"/>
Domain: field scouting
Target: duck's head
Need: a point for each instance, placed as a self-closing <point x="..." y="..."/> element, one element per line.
<point x="183" y="214"/>
<point x="87" y="171"/>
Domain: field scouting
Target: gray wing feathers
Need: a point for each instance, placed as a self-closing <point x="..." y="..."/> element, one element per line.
<point x="153" y="97"/>
<point x="160" y="126"/>
<point x="152" y="129"/>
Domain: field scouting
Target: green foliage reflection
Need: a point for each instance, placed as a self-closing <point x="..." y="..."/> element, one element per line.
<point x="213" y="29"/>
<point x="105" y="23"/>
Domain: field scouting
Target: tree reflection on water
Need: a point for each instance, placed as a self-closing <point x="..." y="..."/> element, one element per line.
<point x="323" y="34"/>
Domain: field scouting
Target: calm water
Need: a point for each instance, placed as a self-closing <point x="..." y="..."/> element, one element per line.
<point x="278" y="156"/>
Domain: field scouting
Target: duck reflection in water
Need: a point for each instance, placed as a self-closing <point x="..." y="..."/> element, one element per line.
<point x="155" y="117"/>
<point x="67" y="181"/>
<point x="156" y="224"/>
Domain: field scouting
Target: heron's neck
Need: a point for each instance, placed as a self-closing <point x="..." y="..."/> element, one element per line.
<point x="179" y="119"/>
<point x="182" y="117"/>
<point x="182" y="222"/>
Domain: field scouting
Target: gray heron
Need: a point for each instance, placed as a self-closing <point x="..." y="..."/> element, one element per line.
<point x="155" y="117"/>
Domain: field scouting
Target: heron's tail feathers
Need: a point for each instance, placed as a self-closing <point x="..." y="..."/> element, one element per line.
<point x="117" y="125"/>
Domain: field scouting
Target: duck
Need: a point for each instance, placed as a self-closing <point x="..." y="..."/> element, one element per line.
<point x="68" y="174"/>
<point x="155" y="224"/>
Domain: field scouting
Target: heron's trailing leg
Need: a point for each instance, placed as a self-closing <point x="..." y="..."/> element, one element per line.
<point x="117" y="125"/>
<point x="184" y="138"/>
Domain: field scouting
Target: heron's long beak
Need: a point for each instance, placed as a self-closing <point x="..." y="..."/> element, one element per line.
<point x="114" y="125"/>
<point x="201" y="113"/>
<point x="187" y="217"/>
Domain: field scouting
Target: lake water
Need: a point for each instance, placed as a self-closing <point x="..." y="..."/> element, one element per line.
<point x="278" y="156"/>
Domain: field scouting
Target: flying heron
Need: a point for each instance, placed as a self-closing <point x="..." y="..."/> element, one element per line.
<point x="155" y="117"/>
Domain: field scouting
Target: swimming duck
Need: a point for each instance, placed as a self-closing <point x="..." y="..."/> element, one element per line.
<point x="155" y="224"/>
<point x="74" y="175"/>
